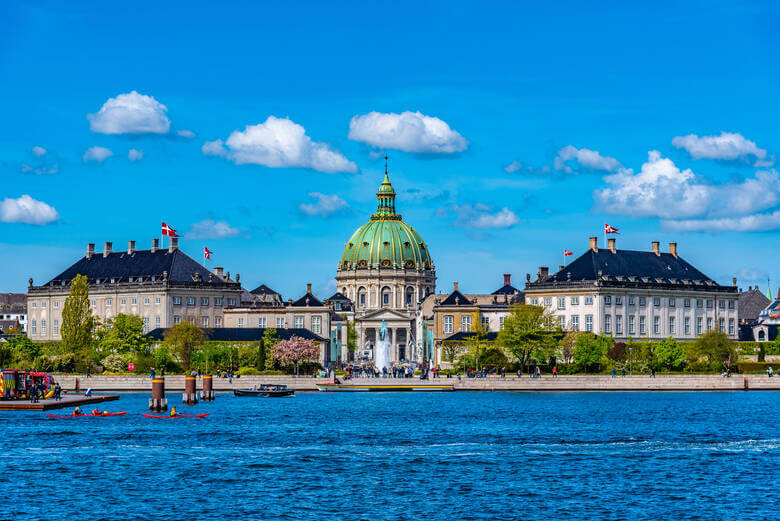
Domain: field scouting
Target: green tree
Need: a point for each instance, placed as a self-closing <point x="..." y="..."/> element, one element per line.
<point x="670" y="355"/>
<point x="182" y="339"/>
<point x="717" y="349"/>
<point x="77" y="319"/>
<point x="529" y="333"/>
<point x="590" y="350"/>
<point x="269" y="343"/>
<point x="124" y="334"/>
<point x="566" y="346"/>
<point x="351" y="335"/>
<point x="475" y="343"/>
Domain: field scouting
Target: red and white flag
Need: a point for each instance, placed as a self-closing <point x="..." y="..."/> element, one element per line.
<point x="566" y="253"/>
<point x="207" y="253"/>
<point x="610" y="229"/>
<point x="167" y="230"/>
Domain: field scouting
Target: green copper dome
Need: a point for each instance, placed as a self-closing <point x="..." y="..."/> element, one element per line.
<point x="386" y="241"/>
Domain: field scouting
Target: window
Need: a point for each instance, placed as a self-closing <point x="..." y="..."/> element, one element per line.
<point x="280" y="322"/>
<point x="147" y="301"/>
<point x="501" y="322"/>
<point x="618" y="323"/>
<point x="109" y="302"/>
<point x="575" y="301"/>
<point x="176" y="319"/>
<point x="562" y="322"/>
<point x="687" y="326"/>
<point x="43" y="303"/>
<point x="548" y="301"/>
<point x="448" y="324"/>
<point x="656" y="326"/>
<point x="146" y="324"/>
<point x="722" y="325"/>
<point x="561" y="303"/>
<point x="92" y="303"/>
<point x="485" y="321"/>
<point x="699" y="303"/>
<point x="133" y="301"/>
<point x="157" y="321"/>
<point x="588" y="301"/>
<point x="672" y="329"/>
<point x="731" y="304"/>
<point x="204" y="321"/>
<point x="217" y="301"/>
<point x="672" y="302"/>
<point x="316" y="325"/>
<point x="698" y="326"/>
<point x="231" y="302"/>
<point x="618" y="301"/>
<point x="589" y="323"/>
<point x="535" y="301"/>
<point x="575" y="322"/>
<point x="709" y="324"/>
<point x="57" y="304"/>
<point x="642" y="327"/>
<point x="709" y="303"/>
<point x="687" y="302"/>
<point x="641" y="301"/>
<point x="34" y="305"/>
<point x="731" y="324"/>
<point x="607" y="324"/>
<point x="362" y="298"/>
<point x="55" y="327"/>
<point x="337" y="306"/>
<point x="656" y="301"/>
<point x="190" y="301"/>
<point x="218" y="322"/>
<point x="240" y="321"/>
<point x="176" y="301"/>
<point x="721" y="304"/>
<point x="34" y="327"/>
<point x="204" y="301"/>
<point x="631" y="324"/>
<point x="156" y="300"/>
<point x="630" y="301"/>
<point x="299" y="322"/>
<point x="261" y="322"/>
<point x="607" y="299"/>
<point x="43" y="327"/>
<point x="385" y="296"/>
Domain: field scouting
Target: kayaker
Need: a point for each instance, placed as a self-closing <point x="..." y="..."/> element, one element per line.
<point x="95" y="412"/>
<point x="173" y="412"/>
<point x="76" y="412"/>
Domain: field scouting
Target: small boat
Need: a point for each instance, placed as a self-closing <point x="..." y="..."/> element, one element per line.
<point x="169" y="417"/>
<point x="388" y="387"/>
<point x="266" y="391"/>
<point x="101" y="415"/>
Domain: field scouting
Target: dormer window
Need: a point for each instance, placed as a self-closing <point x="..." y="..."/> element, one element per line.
<point x="407" y="244"/>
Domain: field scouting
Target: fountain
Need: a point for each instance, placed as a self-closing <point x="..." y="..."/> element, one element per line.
<point x="382" y="349"/>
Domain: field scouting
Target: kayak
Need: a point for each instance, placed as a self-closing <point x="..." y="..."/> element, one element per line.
<point x="101" y="415"/>
<point x="177" y="416"/>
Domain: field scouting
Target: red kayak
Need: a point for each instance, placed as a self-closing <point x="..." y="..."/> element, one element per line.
<point x="177" y="416"/>
<point x="101" y="415"/>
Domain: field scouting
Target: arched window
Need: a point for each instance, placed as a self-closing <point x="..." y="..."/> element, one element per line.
<point x="409" y="296"/>
<point x="386" y="296"/>
<point x="428" y="291"/>
<point x="362" y="296"/>
<point x="761" y="336"/>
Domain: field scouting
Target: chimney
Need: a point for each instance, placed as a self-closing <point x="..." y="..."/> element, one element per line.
<point x="130" y="247"/>
<point x="611" y="245"/>
<point x="454" y="287"/>
<point x="734" y="281"/>
<point x="594" y="244"/>
<point x="673" y="251"/>
<point x="155" y="245"/>
<point x="173" y="244"/>
<point x="308" y="288"/>
<point x="543" y="272"/>
<point x="218" y="272"/>
<point x="106" y="249"/>
<point x="507" y="279"/>
<point x="227" y="275"/>
<point x="657" y="247"/>
<point x="90" y="249"/>
<point x="238" y="277"/>
<point x="560" y="267"/>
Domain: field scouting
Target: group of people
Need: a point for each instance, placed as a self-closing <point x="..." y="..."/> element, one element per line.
<point x="95" y="412"/>
<point x="38" y="391"/>
<point x="369" y="370"/>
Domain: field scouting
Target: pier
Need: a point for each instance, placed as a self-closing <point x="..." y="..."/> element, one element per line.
<point x="49" y="404"/>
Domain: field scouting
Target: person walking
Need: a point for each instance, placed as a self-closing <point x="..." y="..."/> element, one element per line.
<point x="613" y="371"/>
<point x="624" y="371"/>
<point x="151" y="373"/>
<point x="555" y="371"/>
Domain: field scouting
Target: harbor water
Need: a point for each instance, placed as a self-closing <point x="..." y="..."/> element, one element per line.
<point x="377" y="456"/>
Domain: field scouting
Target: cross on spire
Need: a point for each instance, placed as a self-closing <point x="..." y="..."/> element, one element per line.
<point x="385" y="164"/>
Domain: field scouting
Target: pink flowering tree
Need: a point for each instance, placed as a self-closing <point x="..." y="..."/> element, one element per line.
<point x="296" y="350"/>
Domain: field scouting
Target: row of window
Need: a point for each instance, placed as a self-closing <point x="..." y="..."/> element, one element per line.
<point x="465" y="323"/>
<point x="657" y="302"/>
<point x="671" y="325"/>
<point x="204" y="301"/>
<point x="55" y="327"/>
<point x="204" y="321"/>
<point x="316" y="323"/>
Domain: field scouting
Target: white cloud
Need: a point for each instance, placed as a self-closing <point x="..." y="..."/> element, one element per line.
<point x="98" y="154"/>
<point x="726" y="146"/>
<point x="326" y="205"/>
<point x="752" y="274"/>
<point x="27" y="210"/>
<point x="38" y="151"/>
<point x="586" y="158"/>
<point x="514" y="166"/>
<point x="409" y="131"/>
<point x="747" y="223"/>
<point x="135" y="155"/>
<point x="40" y="169"/>
<point x="279" y="143"/>
<point x="189" y="134"/>
<point x="130" y="113"/>
<point x="210" y="229"/>
<point x="481" y="216"/>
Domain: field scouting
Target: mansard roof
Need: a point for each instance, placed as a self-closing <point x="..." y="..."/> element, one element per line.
<point x="456" y="298"/>
<point x="338" y="296"/>
<point x="307" y="300"/>
<point x="262" y="289"/>
<point x="751" y="303"/>
<point x="507" y="289"/>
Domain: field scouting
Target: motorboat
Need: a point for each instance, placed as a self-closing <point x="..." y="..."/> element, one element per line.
<point x="266" y="391"/>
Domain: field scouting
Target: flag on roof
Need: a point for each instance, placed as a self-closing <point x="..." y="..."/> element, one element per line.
<point x="566" y="253"/>
<point x="167" y="230"/>
<point x="207" y="253"/>
<point x="610" y="229"/>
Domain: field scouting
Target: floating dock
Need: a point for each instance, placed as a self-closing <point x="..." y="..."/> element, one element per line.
<point x="383" y="387"/>
<point x="50" y="403"/>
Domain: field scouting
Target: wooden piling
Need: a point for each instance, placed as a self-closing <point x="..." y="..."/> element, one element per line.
<point x="158" y="402"/>
<point x="189" y="396"/>
<point x="207" y="394"/>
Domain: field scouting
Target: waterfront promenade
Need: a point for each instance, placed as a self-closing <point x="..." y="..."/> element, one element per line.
<point x="175" y="383"/>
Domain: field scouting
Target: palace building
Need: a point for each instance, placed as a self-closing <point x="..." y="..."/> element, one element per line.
<point x="386" y="269"/>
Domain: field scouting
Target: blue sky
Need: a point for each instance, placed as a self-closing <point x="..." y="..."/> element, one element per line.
<point x="514" y="131"/>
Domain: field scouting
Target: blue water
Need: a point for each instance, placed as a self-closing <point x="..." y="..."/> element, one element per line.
<point x="403" y="456"/>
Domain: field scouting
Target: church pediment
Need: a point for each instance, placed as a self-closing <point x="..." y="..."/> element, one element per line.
<point x="384" y="314"/>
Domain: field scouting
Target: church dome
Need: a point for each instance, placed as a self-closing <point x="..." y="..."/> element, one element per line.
<point x="386" y="241"/>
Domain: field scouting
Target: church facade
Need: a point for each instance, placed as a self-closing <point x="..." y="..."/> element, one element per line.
<point x="386" y="269"/>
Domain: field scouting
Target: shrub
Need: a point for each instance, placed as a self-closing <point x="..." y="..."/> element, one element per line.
<point x="246" y="370"/>
<point x="114" y="362"/>
<point x="618" y="352"/>
<point x="755" y="367"/>
<point x="670" y="355"/>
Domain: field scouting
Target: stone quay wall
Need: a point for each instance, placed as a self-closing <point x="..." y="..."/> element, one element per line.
<point x="175" y="383"/>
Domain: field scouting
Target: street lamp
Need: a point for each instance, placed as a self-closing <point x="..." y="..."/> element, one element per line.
<point x="630" y="372"/>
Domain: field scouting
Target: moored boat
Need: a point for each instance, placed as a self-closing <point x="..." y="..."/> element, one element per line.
<point x="388" y="387"/>
<point x="266" y="391"/>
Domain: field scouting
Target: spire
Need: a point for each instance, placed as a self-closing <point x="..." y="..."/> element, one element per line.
<point x="385" y="199"/>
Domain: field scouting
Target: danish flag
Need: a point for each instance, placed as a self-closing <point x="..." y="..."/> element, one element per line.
<point x="610" y="229"/>
<point x="207" y="253"/>
<point x="167" y="230"/>
<point x="566" y="253"/>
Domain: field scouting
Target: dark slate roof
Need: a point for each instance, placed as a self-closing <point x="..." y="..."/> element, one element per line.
<point x="338" y="296"/>
<point x="13" y="302"/>
<point x="506" y="290"/>
<point x="307" y="300"/>
<point x="751" y="303"/>
<point x="461" y="336"/>
<point x="456" y="298"/>
<point x="121" y="265"/>
<point x="244" y="334"/>
<point x="746" y="333"/>
<point x="262" y="289"/>
<point x="5" y="325"/>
